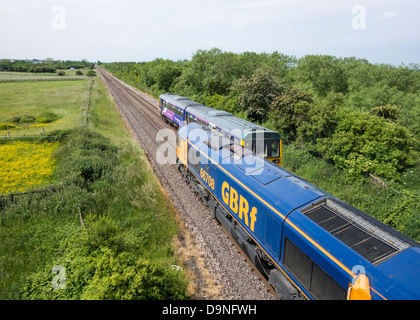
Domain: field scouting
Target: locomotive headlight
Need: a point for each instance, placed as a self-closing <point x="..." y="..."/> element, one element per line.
<point x="276" y="160"/>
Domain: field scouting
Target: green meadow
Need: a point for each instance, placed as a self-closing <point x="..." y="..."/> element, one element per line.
<point x="33" y="99"/>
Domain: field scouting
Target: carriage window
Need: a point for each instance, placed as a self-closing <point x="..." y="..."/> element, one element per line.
<point x="191" y="119"/>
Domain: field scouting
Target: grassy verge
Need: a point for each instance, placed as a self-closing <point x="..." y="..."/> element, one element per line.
<point x="109" y="231"/>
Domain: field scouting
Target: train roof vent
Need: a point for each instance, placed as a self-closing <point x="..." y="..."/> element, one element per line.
<point x="218" y="113"/>
<point x="181" y="98"/>
<point x="367" y="239"/>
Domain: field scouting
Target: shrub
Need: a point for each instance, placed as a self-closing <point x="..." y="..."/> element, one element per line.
<point x="61" y="73"/>
<point x="91" y="73"/>
<point x="93" y="157"/>
<point x="57" y="136"/>
<point x="106" y="275"/>
<point x="5" y="126"/>
<point x="47" y="117"/>
<point x="16" y="119"/>
<point x="79" y="73"/>
<point x="363" y="144"/>
<point x="26" y="119"/>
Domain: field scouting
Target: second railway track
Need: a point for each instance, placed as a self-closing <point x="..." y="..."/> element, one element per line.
<point x="225" y="273"/>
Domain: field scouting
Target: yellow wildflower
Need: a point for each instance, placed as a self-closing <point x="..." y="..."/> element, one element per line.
<point x="24" y="165"/>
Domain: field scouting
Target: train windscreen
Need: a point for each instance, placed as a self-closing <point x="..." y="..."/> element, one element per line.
<point x="264" y="148"/>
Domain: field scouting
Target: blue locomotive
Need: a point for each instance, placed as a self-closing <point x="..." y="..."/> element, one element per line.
<point x="308" y="244"/>
<point x="179" y="110"/>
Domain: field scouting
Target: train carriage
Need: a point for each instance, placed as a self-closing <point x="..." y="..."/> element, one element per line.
<point x="308" y="243"/>
<point x="180" y="111"/>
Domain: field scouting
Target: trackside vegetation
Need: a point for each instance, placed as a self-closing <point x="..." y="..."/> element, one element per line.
<point x="349" y="126"/>
<point x="105" y="231"/>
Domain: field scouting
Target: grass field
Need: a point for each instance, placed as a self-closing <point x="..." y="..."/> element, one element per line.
<point x="109" y="225"/>
<point x="6" y="76"/>
<point x="63" y="98"/>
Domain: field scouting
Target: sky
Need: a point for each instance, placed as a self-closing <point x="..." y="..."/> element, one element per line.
<point x="381" y="31"/>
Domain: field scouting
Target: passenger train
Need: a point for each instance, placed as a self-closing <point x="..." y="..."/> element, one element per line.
<point x="308" y="243"/>
<point x="179" y="110"/>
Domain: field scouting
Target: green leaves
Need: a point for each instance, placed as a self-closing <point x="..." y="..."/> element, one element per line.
<point x="289" y="111"/>
<point x="363" y="144"/>
<point x="107" y="275"/>
<point x="257" y="92"/>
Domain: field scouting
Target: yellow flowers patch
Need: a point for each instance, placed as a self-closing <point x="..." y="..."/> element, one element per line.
<point x="24" y="165"/>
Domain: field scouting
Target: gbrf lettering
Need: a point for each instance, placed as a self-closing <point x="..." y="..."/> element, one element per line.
<point x="239" y="205"/>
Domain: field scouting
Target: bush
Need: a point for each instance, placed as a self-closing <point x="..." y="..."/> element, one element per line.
<point x="16" y="119"/>
<point x="92" y="158"/>
<point x="79" y="73"/>
<point x="363" y="144"/>
<point x="57" y="136"/>
<point x="61" y="73"/>
<point x="91" y="73"/>
<point x="26" y="119"/>
<point x="47" y="117"/>
<point x="106" y="275"/>
<point x="5" y="126"/>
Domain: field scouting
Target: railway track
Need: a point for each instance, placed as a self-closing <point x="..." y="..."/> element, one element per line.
<point x="220" y="268"/>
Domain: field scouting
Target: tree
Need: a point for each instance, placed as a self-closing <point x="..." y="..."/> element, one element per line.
<point x="164" y="73"/>
<point x="289" y="111"/>
<point x="387" y="112"/>
<point x="257" y="92"/>
<point x="325" y="73"/>
<point x="211" y="72"/>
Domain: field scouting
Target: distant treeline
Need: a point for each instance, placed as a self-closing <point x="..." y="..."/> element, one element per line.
<point x="359" y="116"/>
<point x="46" y="66"/>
